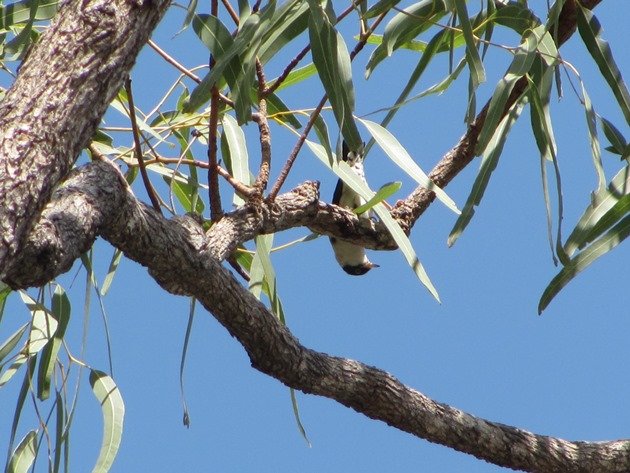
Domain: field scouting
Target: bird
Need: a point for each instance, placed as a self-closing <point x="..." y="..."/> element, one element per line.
<point x="351" y="257"/>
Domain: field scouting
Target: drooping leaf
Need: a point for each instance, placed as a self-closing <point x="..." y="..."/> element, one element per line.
<point x="381" y="7"/>
<point x="475" y="65"/>
<point x="616" y="139"/>
<point x="113" y="409"/>
<point x="399" y="155"/>
<point x="10" y="343"/>
<point x="61" y="313"/>
<point x="239" y="158"/>
<point x="25" y="453"/>
<point x="601" y="202"/>
<point x="288" y="22"/>
<point x="591" y="32"/>
<point x="591" y="121"/>
<point x="111" y="271"/>
<point x="349" y="177"/>
<point x="489" y="162"/>
<point x="332" y="60"/>
<point x="603" y="245"/>
<point x="385" y="191"/>
<point x="521" y="64"/>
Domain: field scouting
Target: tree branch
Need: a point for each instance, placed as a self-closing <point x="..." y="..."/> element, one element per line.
<point x="53" y="108"/>
<point x="184" y="260"/>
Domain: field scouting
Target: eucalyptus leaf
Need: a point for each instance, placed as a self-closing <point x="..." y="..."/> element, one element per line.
<point x="113" y="409"/>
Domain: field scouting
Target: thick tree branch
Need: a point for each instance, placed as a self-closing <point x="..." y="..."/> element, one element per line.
<point x="64" y="87"/>
<point x="184" y="260"/>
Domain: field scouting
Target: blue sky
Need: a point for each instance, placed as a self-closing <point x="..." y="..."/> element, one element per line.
<point x="483" y="350"/>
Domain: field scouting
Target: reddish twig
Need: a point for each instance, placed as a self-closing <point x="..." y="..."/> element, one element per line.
<point x="298" y="146"/>
<point x="138" y="149"/>
<point x="216" y="210"/>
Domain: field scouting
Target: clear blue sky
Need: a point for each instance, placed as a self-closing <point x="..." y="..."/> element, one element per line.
<point x="483" y="350"/>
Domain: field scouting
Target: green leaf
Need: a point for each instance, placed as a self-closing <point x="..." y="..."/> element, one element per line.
<point x="4" y="295"/>
<point x="591" y="121"/>
<point x="521" y="64"/>
<point x="610" y="240"/>
<point x="111" y="271"/>
<point x="332" y="60"/>
<point x="24" y="455"/>
<point x="7" y="347"/>
<point x="27" y="382"/>
<point x="385" y="191"/>
<point x="349" y="177"/>
<point x="616" y="139"/>
<point x="543" y="133"/>
<point x="489" y="162"/>
<point x="113" y="408"/>
<point x="239" y="157"/>
<point x="27" y="10"/>
<point x="404" y="27"/>
<point x="381" y="7"/>
<point x="296" y="76"/>
<point x="61" y="313"/>
<point x="288" y="22"/>
<point x="190" y="13"/>
<point x="278" y="111"/>
<point x="477" y="72"/>
<point x="601" y="202"/>
<point x="590" y="30"/>
<point x="399" y="155"/>
<point x="517" y="17"/>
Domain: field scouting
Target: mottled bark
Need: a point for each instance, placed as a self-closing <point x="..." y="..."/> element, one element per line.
<point x="63" y="89"/>
<point x="184" y="261"/>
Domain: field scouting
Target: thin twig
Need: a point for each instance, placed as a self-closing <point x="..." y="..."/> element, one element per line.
<point x="287" y="70"/>
<point x="296" y="149"/>
<point x="231" y="11"/>
<point x="173" y="62"/>
<point x="136" y="139"/>
<point x="265" y="135"/>
<point x="298" y="146"/>
<point x="216" y="210"/>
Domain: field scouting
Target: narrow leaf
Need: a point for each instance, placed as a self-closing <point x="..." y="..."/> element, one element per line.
<point x="113" y="408"/>
<point x="590" y="30"/>
<point x="521" y="64"/>
<point x="61" y="313"/>
<point x="472" y="54"/>
<point x="610" y="240"/>
<point x="399" y="155"/>
<point x="349" y="177"/>
<point x="489" y="162"/>
<point x="601" y="202"/>
<point x="239" y="157"/>
<point x="24" y="454"/>
<point x="386" y="190"/>
<point x="332" y="60"/>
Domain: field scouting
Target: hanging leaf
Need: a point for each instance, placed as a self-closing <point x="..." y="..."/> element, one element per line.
<point x="399" y="155"/>
<point x="113" y="408"/>
<point x="591" y="32"/>
<point x="24" y="455"/>
<point x="332" y="61"/>
<point x="603" y="245"/>
<point x="489" y="162"/>
<point x="349" y="177"/>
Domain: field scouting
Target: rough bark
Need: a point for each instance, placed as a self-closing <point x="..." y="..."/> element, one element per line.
<point x="63" y="89"/>
<point x="184" y="261"/>
<point x="41" y="137"/>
